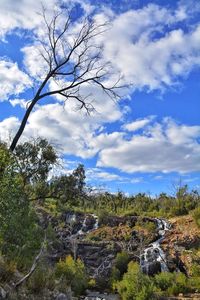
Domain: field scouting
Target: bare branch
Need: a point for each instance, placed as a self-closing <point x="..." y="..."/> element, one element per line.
<point x="74" y="60"/>
<point x="34" y="265"/>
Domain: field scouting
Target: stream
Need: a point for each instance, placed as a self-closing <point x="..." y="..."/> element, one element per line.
<point x="86" y="226"/>
<point x="153" y="257"/>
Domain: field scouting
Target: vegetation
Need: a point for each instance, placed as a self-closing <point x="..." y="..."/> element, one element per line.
<point x="135" y="285"/>
<point x="196" y="216"/>
<point x="72" y="274"/>
<point x="28" y="193"/>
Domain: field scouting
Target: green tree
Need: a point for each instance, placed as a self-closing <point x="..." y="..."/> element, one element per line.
<point x="69" y="188"/>
<point x="35" y="160"/>
<point x="73" y="274"/>
<point x="19" y="232"/>
<point x="135" y="285"/>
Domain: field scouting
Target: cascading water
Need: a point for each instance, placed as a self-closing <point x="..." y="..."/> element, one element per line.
<point x="153" y="255"/>
<point x="84" y="229"/>
<point x="71" y="219"/>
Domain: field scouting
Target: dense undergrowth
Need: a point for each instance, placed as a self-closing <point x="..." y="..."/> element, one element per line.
<point x="25" y="188"/>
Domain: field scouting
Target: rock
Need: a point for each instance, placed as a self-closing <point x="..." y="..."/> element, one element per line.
<point x="62" y="296"/>
<point x="3" y="293"/>
<point x="152" y="268"/>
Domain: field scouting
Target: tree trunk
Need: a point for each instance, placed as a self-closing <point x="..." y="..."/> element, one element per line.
<point x="23" y="124"/>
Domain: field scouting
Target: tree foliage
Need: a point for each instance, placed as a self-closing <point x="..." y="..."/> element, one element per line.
<point x="17" y="220"/>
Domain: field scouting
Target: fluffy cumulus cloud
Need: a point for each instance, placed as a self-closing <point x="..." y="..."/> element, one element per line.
<point x="147" y="45"/>
<point x="12" y="80"/>
<point x="151" y="48"/>
<point x="8" y="127"/>
<point x="98" y="174"/>
<point x="22" y="14"/>
<point x="73" y="132"/>
<point x="138" y="124"/>
<point x="165" y="147"/>
<point x="160" y="147"/>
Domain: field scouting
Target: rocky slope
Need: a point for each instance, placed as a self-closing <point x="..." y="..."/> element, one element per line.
<point x="181" y="241"/>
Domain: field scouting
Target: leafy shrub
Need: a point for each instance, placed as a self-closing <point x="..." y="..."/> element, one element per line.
<point x="195" y="269"/>
<point x="164" y="280"/>
<point x="135" y="285"/>
<point x="7" y="269"/>
<point x="20" y="234"/>
<point x="150" y="226"/>
<point x="121" y="262"/>
<point x="196" y="216"/>
<point x="73" y="273"/>
<point x="172" y="283"/>
<point x="103" y="215"/>
<point x="115" y="276"/>
<point x="37" y="282"/>
<point x="194" y="283"/>
<point x="146" y="293"/>
<point x="92" y="283"/>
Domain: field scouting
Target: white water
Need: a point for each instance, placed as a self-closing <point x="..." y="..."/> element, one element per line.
<point x="71" y="219"/>
<point x="154" y="251"/>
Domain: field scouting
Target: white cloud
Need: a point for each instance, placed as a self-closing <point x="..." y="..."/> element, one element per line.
<point x="137" y="180"/>
<point x="7" y="128"/>
<point x="98" y="174"/>
<point x="73" y="131"/>
<point x="23" y="103"/>
<point x="166" y="147"/>
<point x="146" y="48"/>
<point x="22" y="14"/>
<point x="142" y="43"/>
<point x="138" y="124"/>
<point x="12" y="80"/>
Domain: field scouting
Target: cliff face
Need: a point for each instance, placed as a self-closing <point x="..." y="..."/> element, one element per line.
<point x="97" y="244"/>
<point x="182" y="240"/>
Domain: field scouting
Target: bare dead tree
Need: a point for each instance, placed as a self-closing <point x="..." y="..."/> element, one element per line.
<point x="72" y="61"/>
<point x="34" y="265"/>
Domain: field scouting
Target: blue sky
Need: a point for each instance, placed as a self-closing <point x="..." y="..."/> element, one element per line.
<point x="148" y="139"/>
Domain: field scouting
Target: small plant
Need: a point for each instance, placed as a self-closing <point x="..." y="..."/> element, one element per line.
<point x="196" y="216"/>
<point x="37" y="282"/>
<point x="135" y="285"/>
<point x="7" y="269"/>
<point x="164" y="280"/>
<point x="72" y="274"/>
<point x="103" y="215"/>
<point x="121" y="262"/>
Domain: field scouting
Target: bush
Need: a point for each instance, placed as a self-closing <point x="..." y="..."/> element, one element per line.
<point x="195" y="269"/>
<point x="135" y="285"/>
<point x="103" y="215"/>
<point x="121" y="262"/>
<point x="172" y="283"/>
<point x="37" y="282"/>
<point x="7" y="269"/>
<point x="196" y="216"/>
<point x="73" y="273"/>
<point x="146" y="293"/>
<point x="194" y="283"/>
<point x="164" y="280"/>
<point x="19" y="232"/>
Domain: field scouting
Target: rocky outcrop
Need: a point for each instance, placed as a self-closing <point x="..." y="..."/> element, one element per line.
<point x="183" y="236"/>
<point x="79" y="235"/>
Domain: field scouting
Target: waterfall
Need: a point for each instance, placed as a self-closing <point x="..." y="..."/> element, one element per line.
<point x="86" y="227"/>
<point x="153" y="256"/>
